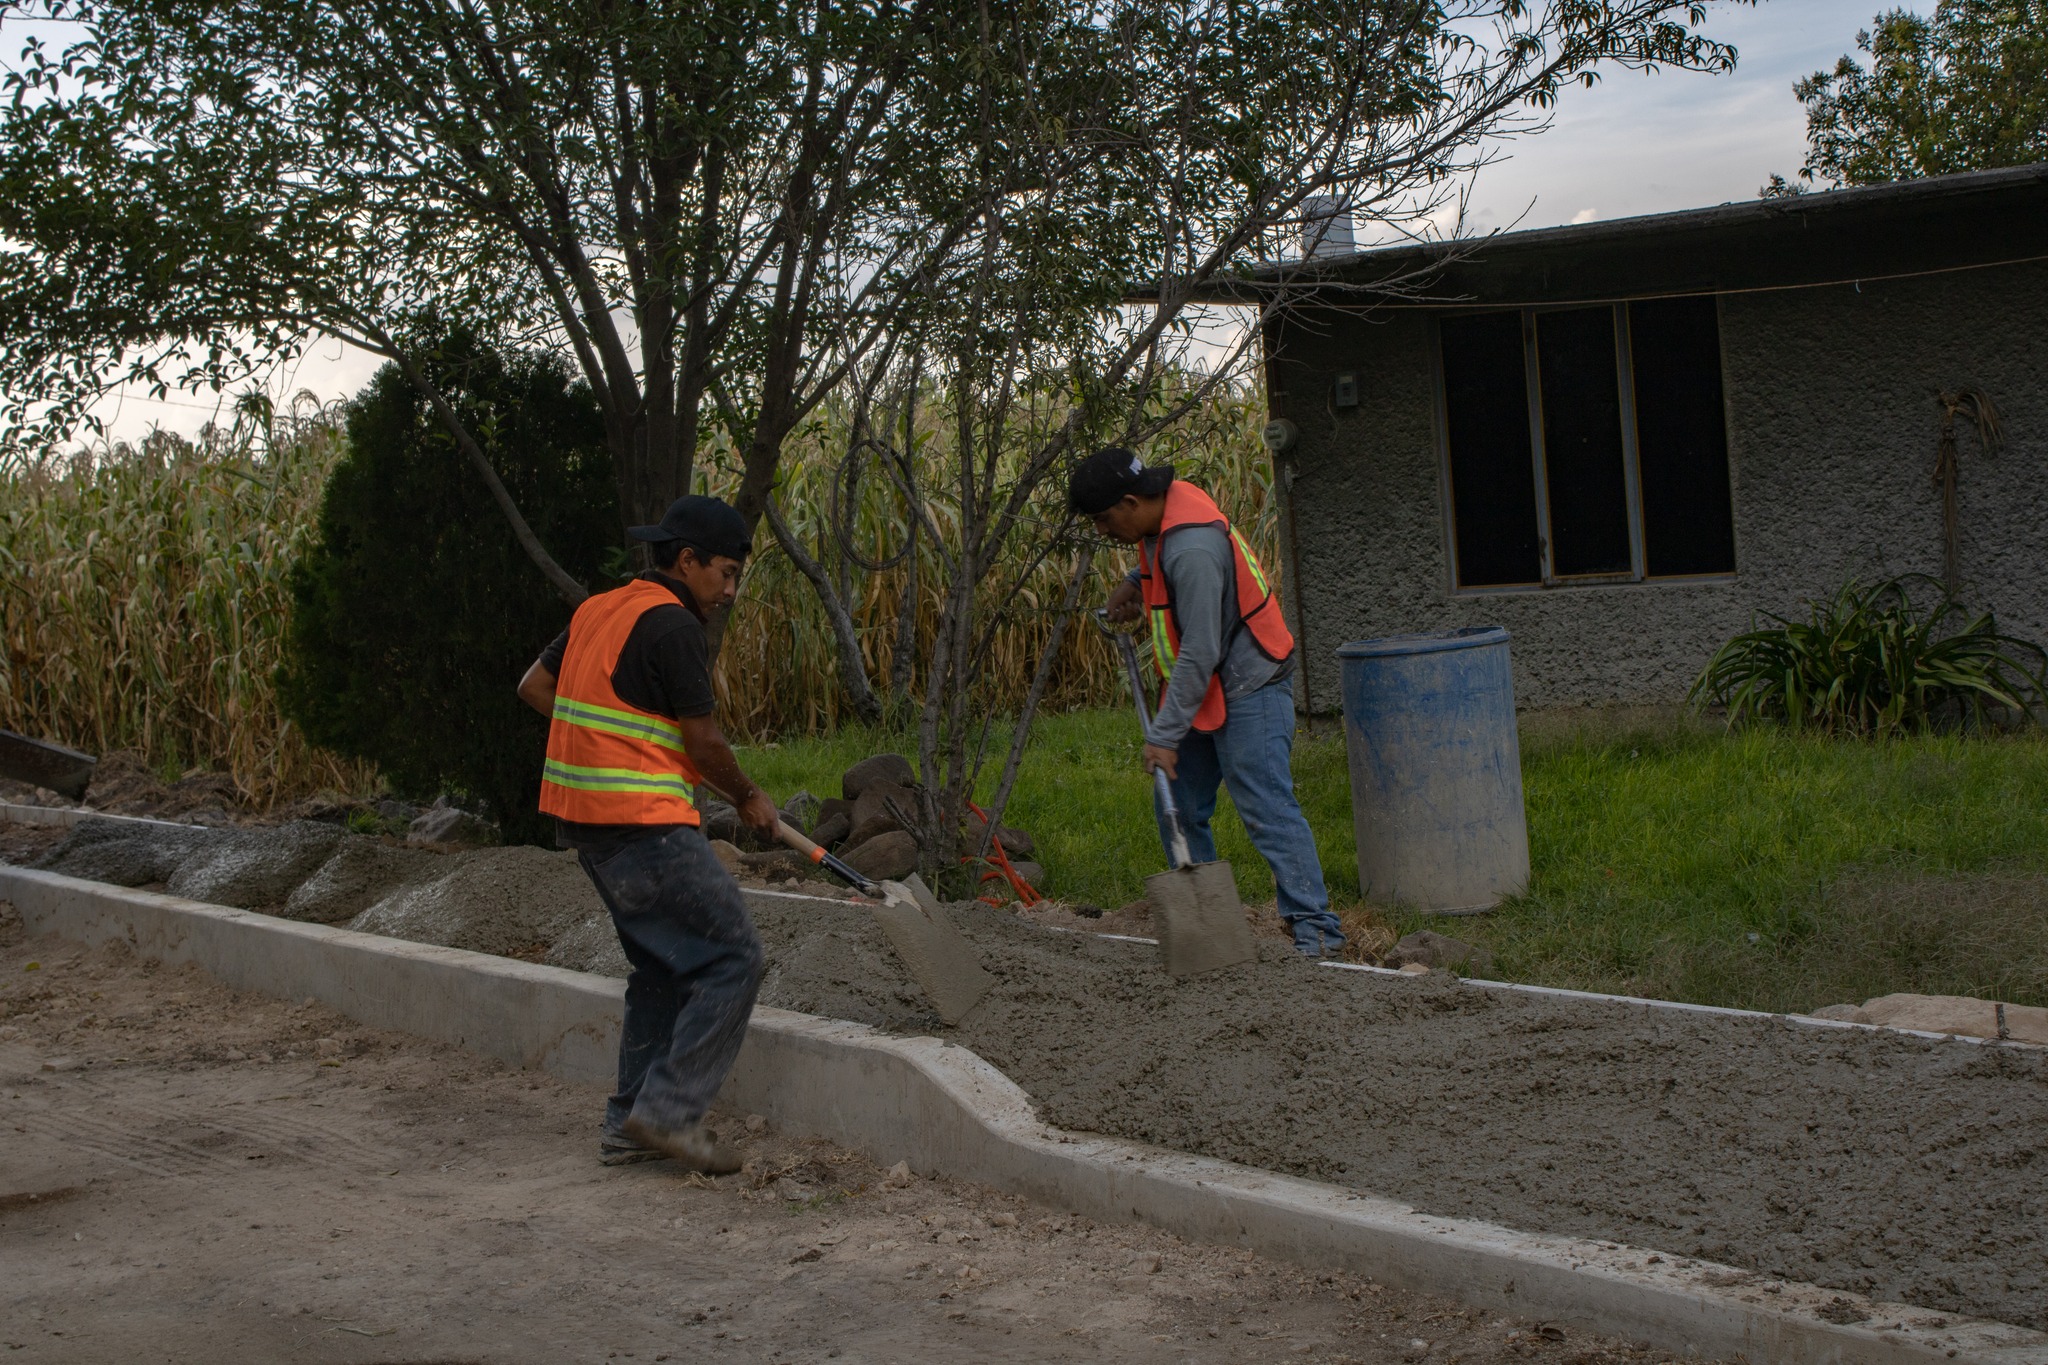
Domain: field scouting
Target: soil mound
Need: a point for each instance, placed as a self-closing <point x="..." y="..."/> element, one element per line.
<point x="359" y="873"/>
<point x="592" y="946"/>
<point x="127" y="854"/>
<point x="252" y="869"/>
<point x="511" y="901"/>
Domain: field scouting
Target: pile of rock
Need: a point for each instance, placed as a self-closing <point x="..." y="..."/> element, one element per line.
<point x="872" y="824"/>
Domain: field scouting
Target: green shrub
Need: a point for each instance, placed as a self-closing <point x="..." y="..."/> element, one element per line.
<point x="417" y="611"/>
<point x="1869" y="663"/>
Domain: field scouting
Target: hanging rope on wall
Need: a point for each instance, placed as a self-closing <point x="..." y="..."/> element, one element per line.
<point x="1976" y="405"/>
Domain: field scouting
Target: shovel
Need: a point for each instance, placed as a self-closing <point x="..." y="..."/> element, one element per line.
<point x="1201" y="918"/>
<point x="63" y="771"/>
<point x="931" y="948"/>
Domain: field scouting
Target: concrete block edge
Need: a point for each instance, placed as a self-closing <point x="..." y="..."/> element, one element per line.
<point x="946" y="1111"/>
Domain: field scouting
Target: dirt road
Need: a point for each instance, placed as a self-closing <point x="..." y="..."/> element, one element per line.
<point x="187" y="1173"/>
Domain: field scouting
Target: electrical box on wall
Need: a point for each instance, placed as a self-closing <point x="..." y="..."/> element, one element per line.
<point x="1344" y="390"/>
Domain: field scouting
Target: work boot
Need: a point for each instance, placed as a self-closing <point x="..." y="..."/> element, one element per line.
<point x="616" y="1149"/>
<point x="692" y="1145"/>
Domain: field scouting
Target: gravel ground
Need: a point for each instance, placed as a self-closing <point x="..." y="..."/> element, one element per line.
<point x="191" y="1174"/>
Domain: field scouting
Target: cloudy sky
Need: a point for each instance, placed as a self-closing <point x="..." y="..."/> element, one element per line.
<point x="1633" y="144"/>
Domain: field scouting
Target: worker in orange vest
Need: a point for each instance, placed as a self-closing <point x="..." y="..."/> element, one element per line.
<point x="1226" y="662"/>
<point x="627" y="690"/>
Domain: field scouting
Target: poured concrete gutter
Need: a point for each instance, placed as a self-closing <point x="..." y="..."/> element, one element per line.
<point x="947" y="1112"/>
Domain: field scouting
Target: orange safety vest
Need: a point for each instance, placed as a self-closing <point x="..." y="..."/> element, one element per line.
<point x="610" y="763"/>
<point x="1258" y="610"/>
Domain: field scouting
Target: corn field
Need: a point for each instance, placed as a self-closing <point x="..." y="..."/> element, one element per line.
<point x="145" y="599"/>
<point x="777" y="672"/>
<point x="145" y="592"/>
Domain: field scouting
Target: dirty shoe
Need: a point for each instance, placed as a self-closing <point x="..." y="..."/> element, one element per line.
<point x="616" y="1149"/>
<point x="693" y="1145"/>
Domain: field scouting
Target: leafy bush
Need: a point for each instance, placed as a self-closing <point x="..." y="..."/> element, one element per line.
<point x="417" y="611"/>
<point x="1868" y="663"/>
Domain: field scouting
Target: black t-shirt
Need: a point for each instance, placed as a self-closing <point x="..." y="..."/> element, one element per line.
<point x="665" y="668"/>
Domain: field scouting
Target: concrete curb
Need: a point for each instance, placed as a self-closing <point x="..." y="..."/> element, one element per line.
<point x="948" y="1112"/>
<point x="67" y="816"/>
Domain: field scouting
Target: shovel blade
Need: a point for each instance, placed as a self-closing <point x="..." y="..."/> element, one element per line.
<point x="1200" y="919"/>
<point x="942" y="963"/>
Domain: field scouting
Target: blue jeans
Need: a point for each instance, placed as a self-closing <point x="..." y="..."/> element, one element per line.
<point x="1250" y="754"/>
<point x="697" y="965"/>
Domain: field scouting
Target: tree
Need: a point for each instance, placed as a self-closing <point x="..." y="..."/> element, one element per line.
<point x="1220" y="132"/>
<point x="1963" y="90"/>
<point x="678" y="197"/>
<point x="414" y="608"/>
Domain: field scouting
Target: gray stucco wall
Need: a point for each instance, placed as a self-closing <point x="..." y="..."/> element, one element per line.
<point x="1832" y="427"/>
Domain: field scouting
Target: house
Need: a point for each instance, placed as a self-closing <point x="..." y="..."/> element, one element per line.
<point x="1625" y="440"/>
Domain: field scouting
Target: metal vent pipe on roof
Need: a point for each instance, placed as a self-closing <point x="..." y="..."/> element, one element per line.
<point x="1326" y="227"/>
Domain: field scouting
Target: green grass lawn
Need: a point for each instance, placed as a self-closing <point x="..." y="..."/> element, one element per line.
<point x="1669" y="859"/>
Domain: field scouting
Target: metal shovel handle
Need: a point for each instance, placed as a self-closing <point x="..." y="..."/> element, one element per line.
<point x="1177" y="839"/>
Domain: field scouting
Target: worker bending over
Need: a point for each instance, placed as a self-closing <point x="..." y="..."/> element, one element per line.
<point x="627" y="689"/>
<point x="1226" y="709"/>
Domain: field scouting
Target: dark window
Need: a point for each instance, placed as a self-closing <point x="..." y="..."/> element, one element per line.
<point x="1681" y="437"/>
<point x="1493" y="481"/>
<point x="1616" y="498"/>
<point x="1582" y="456"/>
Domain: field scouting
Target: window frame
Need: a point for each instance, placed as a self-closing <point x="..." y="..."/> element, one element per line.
<point x="1532" y="376"/>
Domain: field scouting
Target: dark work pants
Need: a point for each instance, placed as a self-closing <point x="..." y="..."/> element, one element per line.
<point x="697" y="965"/>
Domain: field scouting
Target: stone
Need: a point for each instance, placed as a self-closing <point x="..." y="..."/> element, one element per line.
<point x="833" y="829"/>
<point x="1414" y="969"/>
<point x="254" y="869"/>
<point x="883" y="806"/>
<point x="729" y="856"/>
<point x="451" y="827"/>
<point x="892" y="768"/>
<point x="1015" y="842"/>
<point x="1959" y="1014"/>
<point x="1847" y="1014"/>
<point x="717" y="820"/>
<point x="1431" y="949"/>
<point x="889" y="856"/>
<point x="835" y="805"/>
<point x="802" y="811"/>
<point x="1030" y="873"/>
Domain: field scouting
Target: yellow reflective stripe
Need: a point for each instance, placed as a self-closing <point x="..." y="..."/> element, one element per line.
<point x="1163" y="652"/>
<point x="1251" y="559"/>
<point x="614" y="779"/>
<point x="591" y="716"/>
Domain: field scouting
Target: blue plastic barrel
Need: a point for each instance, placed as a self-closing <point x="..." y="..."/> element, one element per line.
<point x="1436" y="769"/>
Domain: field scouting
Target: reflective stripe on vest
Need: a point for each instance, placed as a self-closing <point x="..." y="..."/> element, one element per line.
<point x="1258" y="610"/>
<point x="610" y="763"/>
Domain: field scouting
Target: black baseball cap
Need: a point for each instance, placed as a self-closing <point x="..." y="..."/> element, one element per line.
<point x="1102" y="480"/>
<point x="706" y="525"/>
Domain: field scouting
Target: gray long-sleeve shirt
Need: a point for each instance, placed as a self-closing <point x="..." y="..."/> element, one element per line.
<point x="1201" y="573"/>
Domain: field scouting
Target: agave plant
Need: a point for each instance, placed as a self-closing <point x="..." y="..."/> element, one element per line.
<point x="1869" y="663"/>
